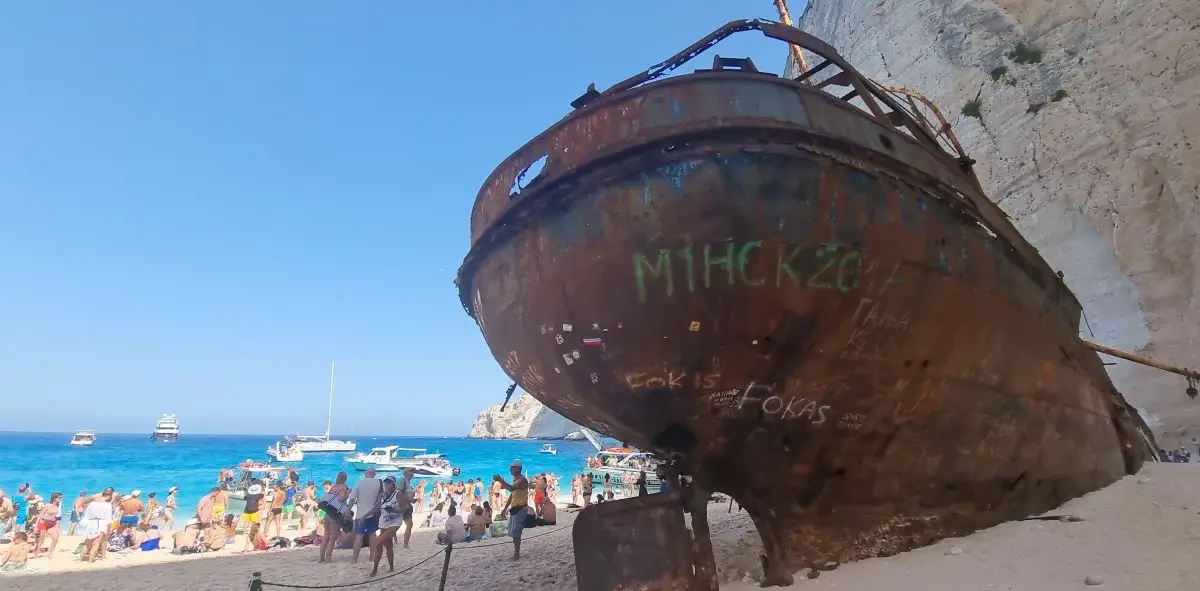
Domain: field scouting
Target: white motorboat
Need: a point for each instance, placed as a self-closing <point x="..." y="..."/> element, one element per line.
<point x="167" y="428"/>
<point x="83" y="438"/>
<point x="549" y="449"/>
<point x="285" y="451"/>
<point x="620" y="464"/>
<point x="323" y="443"/>
<point x="393" y="458"/>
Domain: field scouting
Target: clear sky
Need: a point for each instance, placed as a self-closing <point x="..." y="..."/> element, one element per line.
<point x="205" y="202"/>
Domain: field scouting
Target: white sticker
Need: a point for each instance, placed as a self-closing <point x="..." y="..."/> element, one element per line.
<point x="595" y="378"/>
<point x="575" y="353"/>
<point x="567" y="328"/>
<point x="567" y="358"/>
<point x="620" y="325"/>
<point x="556" y="370"/>
<point x="595" y="326"/>
<point x="558" y="339"/>
<point x="543" y="329"/>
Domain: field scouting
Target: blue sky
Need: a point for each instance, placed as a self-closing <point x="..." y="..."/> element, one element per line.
<point x="204" y="203"/>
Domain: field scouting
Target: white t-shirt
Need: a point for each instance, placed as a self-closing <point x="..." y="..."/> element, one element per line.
<point x="455" y="528"/>
<point x="366" y="493"/>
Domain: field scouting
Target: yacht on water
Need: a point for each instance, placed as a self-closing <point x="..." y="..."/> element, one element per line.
<point x="549" y="449"/>
<point x="394" y="458"/>
<point x="167" y="428"/>
<point x="83" y="438"/>
<point x="316" y="443"/>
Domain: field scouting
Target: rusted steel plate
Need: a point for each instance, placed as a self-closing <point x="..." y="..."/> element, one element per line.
<point x="637" y="544"/>
<point x="737" y="270"/>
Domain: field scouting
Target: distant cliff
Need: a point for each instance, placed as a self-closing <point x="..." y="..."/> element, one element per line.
<point x="524" y="418"/>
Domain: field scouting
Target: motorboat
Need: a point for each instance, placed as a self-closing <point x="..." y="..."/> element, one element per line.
<point x="285" y="451"/>
<point x="166" y="429"/>
<point x="549" y="449"/>
<point x="393" y="458"/>
<point x="621" y="463"/>
<point x="83" y="438"/>
<point x="248" y="473"/>
<point x="323" y="443"/>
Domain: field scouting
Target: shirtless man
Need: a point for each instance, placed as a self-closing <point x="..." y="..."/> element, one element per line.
<point x="131" y="509"/>
<point x="7" y="514"/>
<point x="77" y="512"/>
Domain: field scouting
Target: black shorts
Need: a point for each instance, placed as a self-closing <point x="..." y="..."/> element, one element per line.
<point x="408" y="513"/>
<point x="276" y="511"/>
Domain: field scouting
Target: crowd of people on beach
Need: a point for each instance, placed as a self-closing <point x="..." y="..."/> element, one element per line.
<point x="107" y="521"/>
<point x="374" y="514"/>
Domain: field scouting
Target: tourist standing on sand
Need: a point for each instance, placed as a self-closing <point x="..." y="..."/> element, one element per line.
<point x="48" y="524"/>
<point x="391" y="517"/>
<point x="97" y="520"/>
<point x="131" y="509"/>
<point x="517" y="505"/>
<point x="169" y="508"/>
<point x="408" y="496"/>
<point x="204" y="509"/>
<point x="76" y="512"/>
<point x="586" y="487"/>
<point x="334" y="506"/>
<point x="365" y="499"/>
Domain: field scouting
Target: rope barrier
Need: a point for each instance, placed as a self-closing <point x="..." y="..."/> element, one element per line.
<point x="257" y="584"/>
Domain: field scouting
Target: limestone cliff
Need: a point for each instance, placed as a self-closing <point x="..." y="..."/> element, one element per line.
<point x="524" y="418"/>
<point x="1088" y="137"/>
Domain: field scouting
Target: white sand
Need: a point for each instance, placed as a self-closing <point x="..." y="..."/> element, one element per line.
<point x="1141" y="534"/>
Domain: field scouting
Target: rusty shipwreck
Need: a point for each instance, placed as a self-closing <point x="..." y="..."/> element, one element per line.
<point x="797" y="291"/>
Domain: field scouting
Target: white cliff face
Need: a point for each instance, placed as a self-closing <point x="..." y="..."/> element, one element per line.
<point x="524" y="418"/>
<point x="1104" y="181"/>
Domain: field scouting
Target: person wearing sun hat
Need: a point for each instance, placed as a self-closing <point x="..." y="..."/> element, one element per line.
<point x="254" y="496"/>
<point x="517" y="505"/>
<point x="131" y="509"/>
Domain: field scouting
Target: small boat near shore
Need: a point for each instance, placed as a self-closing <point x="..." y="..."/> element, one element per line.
<point x="393" y="458"/>
<point x="285" y="451"/>
<point x="83" y="438"/>
<point x="549" y="449"/>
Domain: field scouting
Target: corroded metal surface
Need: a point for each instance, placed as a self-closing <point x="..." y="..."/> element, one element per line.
<point x="637" y="544"/>
<point x="802" y="295"/>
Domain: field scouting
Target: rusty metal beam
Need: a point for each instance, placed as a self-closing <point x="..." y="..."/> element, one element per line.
<point x="1134" y="357"/>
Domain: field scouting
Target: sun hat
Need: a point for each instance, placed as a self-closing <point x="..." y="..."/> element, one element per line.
<point x="515" y="463"/>
<point x="135" y="493"/>
<point x="172" y="489"/>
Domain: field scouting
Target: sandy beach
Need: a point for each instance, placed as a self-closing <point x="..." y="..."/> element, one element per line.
<point x="1140" y="534"/>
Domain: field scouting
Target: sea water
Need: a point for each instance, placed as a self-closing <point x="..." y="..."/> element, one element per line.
<point x="128" y="462"/>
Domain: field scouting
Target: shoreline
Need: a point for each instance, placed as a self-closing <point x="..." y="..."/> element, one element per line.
<point x="1137" y="535"/>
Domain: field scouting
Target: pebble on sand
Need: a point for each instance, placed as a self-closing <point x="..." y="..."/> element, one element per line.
<point x="1093" y="580"/>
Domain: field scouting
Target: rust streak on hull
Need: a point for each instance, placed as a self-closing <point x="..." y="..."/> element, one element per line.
<point x="810" y="306"/>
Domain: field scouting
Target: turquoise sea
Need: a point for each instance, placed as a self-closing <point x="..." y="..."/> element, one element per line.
<point x="128" y="462"/>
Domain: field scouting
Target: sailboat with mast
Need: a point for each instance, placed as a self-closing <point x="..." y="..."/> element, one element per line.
<point x="317" y="443"/>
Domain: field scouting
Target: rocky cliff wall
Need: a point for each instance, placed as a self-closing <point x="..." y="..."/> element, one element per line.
<point x="1092" y="147"/>
<point x="524" y="418"/>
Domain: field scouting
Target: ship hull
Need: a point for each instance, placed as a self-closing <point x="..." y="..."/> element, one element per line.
<point x="802" y="318"/>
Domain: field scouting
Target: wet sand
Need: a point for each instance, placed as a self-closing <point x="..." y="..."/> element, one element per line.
<point x="1140" y="534"/>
